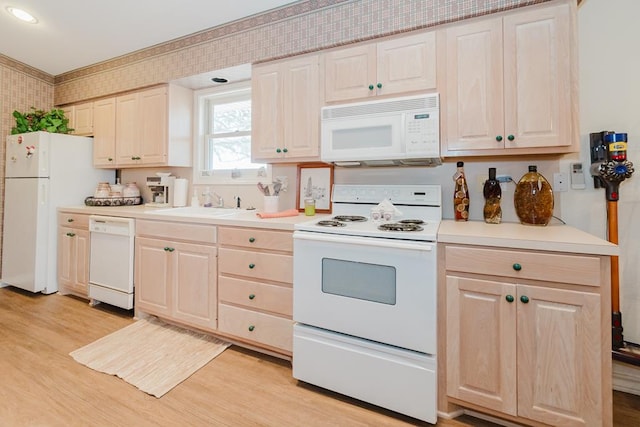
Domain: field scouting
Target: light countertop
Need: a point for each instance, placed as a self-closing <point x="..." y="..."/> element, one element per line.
<point x="555" y="237"/>
<point x="234" y="217"/>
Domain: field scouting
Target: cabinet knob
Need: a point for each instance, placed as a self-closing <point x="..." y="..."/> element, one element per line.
<point x="168" y="249"/>
<point x="499" y="138"/>
<point x="511" y="137"/>
<point x="110" y="159"/>
<point x="252" y="265"/>
<point x="71" y="234"/>
<point x="379" y="85"/>
<point x="517" y="267"/>
<point x="252" y="239"/>
<point x="524" y="299"/>
<point x="69" y="219"/>
<point x="509" y="298"/>
<point x="251" y="296"/>
<point x="278" y="150"/>
<point x="284" y="150"/>
<point x="370" y="87"/>
<point x="251" y="328"/>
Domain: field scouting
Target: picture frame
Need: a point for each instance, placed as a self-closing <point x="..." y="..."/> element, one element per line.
<point x="319" y="177"/>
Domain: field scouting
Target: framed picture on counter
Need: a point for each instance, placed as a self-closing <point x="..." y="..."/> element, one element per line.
<point x="315" y="181"/>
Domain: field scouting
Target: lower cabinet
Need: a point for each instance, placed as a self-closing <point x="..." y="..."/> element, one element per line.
<point x="524" y="335"/>
<point x="255" y="294"/>
<point x="73" y="254"/>
<point x="175" y="272"/>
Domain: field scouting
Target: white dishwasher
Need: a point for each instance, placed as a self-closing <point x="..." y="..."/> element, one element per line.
<point x="111" y="261"/>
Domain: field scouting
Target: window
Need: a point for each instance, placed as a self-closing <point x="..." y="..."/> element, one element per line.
<point x="223" y="144"/>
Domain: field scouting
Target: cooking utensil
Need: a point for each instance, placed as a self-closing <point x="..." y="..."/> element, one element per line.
<point x="276" y="188"/>
<point x="264" y="189"/>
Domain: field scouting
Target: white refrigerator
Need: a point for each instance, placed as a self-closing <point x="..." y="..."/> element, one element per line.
<point x="43" y="171"/>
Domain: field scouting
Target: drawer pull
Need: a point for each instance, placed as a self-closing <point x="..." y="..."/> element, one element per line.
<point x="251" y="328"/>
<point x="252" y="265"/>
<point x="252" y="239"/>
<point x="251" y="296"/>
<point x="517" y="267"/>
<point x="71" y="234"/>
<point x="509" y="298"/>
<point x="524" y="299"/>
<point x="69" y="219"/>
<point x="168" y="249"/>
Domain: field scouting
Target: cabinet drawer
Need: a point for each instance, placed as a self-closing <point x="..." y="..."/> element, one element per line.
<point x="73" y="220"/>
<point x="545" y="266"/>
<point x="259" y="327"/>
<point x="254" y="295"/>
<point x="256" y="239"/>
<point x="256" y="265"/>
<point x="199" y="233"/>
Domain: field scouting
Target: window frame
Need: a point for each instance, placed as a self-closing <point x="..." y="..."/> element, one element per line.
<point x="228" y="92"/>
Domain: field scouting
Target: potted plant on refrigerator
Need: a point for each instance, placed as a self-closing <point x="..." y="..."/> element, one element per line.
<point x="53" y="121"/>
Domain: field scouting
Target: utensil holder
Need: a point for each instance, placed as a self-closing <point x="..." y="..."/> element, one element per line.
<point x="270" y="204"/>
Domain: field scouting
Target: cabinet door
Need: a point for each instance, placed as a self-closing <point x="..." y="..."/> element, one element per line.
<point x="153" y="112"/>
<point x="83" y="119"/>
<point x="266" y="113"/>
<point x="73" y="260"/>
<point x="559" y="357"/>
<point x="128" y="130"/>
<point x="349" y="73"/>
<point x="474" y="89"/>
<point x="195" y="297"/>
<point x="301" y="106"/>
<point x="153" y="276"/>
<point x="537" y="77"/>
<point x="407" y="64"/>
<point x="481" y="344"/>
<point x="104" y="133"/>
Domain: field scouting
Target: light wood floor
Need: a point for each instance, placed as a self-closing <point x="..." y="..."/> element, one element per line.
<point x="41" y="385"/>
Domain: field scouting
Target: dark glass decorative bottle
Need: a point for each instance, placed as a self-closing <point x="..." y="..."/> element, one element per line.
<point x="460" y="194"/>
<point x="533" y="198"/>
<point x="492" y="195"/>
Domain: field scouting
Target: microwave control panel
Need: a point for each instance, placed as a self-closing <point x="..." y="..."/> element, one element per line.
<point x="422" y="132"/>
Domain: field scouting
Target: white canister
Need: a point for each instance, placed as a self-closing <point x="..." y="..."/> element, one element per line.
<point x="271" y="204"/>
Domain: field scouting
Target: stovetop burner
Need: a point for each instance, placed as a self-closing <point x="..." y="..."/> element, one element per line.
<point x="349" y="218"/>
<point x="400" y="226"/>
<point x="331" y="223"/>
<point x="411" y="221"/>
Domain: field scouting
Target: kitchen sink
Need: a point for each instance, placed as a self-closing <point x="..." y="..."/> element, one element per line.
<point x="196" y="211"/>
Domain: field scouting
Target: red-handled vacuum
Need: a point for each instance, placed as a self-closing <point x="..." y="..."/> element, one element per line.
<point x="609" y="167"/>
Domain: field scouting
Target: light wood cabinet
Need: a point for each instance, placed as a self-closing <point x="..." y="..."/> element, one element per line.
<point x="104" y="133"/>
<point x="143" y="129"/>
<point x="399" y="65"/>
<point x="175" y="272"/>
<point x="255" y="287"/>
<point x="73" y="254"/>
<point x="285" y="114"/>
<point x="511" y="83"/>
<point x="80" y="118"/>
<point x="524" y="334"/>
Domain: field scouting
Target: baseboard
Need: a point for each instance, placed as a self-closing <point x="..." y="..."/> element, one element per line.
<point x="626" y="378"/>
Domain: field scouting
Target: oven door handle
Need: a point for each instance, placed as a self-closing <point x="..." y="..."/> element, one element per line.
<point x="365" y="241"/>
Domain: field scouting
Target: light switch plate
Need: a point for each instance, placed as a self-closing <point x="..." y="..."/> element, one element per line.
<point x="560" y="182"/>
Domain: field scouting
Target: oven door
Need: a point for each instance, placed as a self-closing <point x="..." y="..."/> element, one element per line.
<point x="379" y="289"/>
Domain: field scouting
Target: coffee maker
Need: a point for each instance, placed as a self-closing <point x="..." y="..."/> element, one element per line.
<point x="161" y="188"/>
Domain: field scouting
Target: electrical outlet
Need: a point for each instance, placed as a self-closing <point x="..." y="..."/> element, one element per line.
<point x="560" y="182"/>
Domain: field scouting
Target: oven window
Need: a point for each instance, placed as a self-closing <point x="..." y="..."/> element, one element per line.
<point x="369" y="282"/>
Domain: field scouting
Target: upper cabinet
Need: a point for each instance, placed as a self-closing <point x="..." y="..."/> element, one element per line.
<point x="285" y="116"/>
<point x="394" y="66"/>
<point x="511" y="83"/>
<point x="80" y="118"/>
<point x="147" y="128"/>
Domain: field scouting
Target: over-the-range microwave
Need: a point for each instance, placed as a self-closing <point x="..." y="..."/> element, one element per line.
<point x="388" y="132"/>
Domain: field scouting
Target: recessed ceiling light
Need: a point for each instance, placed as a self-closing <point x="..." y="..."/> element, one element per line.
<point x="22" y="15"/>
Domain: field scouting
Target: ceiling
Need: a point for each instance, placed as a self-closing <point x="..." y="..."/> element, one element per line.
<point x="72" y="34"/>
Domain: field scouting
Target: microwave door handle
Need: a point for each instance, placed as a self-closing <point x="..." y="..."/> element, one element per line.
<point x="364" y="241"/>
